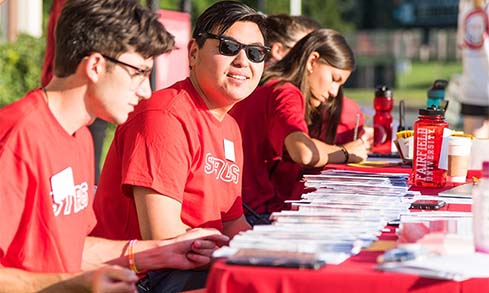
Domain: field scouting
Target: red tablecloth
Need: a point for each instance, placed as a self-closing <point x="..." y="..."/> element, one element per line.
<point x="357" y="274"/>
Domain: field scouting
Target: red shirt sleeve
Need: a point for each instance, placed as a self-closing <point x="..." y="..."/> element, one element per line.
<point x="286" y="112"/>
<point x="12" y="196"/>
<point x="156" y="154"/>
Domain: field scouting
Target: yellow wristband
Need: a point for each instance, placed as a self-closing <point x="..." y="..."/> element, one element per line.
<point x="131" y="257"/>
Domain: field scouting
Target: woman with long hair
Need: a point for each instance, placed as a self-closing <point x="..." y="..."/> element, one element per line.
<point x="282" y="121"/>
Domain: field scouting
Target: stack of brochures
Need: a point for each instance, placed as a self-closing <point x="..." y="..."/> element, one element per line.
<point x="345" y="213"/>
<point x="441" y="243"/>
<point x="457" y="267"/>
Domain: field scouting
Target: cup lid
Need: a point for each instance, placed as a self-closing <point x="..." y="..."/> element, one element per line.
<point x="459" y="139"/>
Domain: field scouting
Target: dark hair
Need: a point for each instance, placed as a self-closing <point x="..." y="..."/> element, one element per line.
<point x="111" y="27"/>
<point x="327" y="114"/>
<point x="222" y="15"/>
<point x="332" y="49"/>
<point x="283" y="28"/>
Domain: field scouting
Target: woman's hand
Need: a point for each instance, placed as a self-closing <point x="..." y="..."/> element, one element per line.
<point x="356" y="150"/>
<point x="368" y="137"/>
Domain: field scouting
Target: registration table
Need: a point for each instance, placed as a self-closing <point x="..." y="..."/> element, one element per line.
<point x="356" y="274"/>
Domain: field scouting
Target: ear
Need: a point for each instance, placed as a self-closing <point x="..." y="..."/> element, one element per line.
<point x="312" y="61"/>
<point x="93" y="66"/>
<point x="278" y="51"/>
<point x="193" y="50"/>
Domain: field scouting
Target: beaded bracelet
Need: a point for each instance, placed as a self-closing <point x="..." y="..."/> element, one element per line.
<point x="345" y="153"/>
<point x="130" y="256"/>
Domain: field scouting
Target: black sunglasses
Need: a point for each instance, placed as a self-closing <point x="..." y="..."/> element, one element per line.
<point x="230" y="47"/>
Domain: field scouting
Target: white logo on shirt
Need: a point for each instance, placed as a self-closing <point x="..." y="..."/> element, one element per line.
<point x="72" y="203"/>
<point x="224" y="170"/>
<point x="476" y="27"/>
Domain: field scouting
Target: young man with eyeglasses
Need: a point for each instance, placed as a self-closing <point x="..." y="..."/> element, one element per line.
<point x="46" y="159"/>
<point x="177" y="161"/>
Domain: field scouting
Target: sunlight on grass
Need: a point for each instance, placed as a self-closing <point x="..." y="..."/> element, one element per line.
<point x="412" y="86"/>
<point x="422" y="75"/>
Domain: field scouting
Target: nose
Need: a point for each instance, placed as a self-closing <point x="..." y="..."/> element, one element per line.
<point x="333" y="89"/>
<point x="241" y="60"/>
<point x="144" y="90"/>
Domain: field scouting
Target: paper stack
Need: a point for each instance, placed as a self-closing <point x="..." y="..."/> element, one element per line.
<point x="457" y="267"/>
<point x="345" y="213"/>
<point x="445" y="240"/>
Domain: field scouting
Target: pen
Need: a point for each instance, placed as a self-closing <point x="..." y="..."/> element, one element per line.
<point x="355" y="132"/>
<point x="402" y="115"/>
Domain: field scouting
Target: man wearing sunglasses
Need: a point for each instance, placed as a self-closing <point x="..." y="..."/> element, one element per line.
<point x="177" y="162"/>
<point x="46" y="159"/>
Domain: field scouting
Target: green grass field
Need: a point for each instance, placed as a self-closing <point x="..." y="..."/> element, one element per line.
<point x="411" y="87"/>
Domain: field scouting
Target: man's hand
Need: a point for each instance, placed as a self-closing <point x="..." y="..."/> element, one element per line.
<point x="190" y="250"/>
<point x="197" y="246"/>
<point x="114" y="279"/>
<point x="105" y="279"/>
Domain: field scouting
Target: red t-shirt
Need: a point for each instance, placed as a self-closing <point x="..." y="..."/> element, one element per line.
<point x="46" y="190"/>
<point x="266" y="118"/>
<point x="288" y="174"/>
<point x="175" y="146"/>
<point x="346" y="126"/>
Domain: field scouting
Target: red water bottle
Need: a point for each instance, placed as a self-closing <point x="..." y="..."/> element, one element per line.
<point x="428" y="139"/>
<point x="383" y="103"/>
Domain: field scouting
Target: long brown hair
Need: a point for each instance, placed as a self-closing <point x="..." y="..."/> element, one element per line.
<point x="334" y="51"/>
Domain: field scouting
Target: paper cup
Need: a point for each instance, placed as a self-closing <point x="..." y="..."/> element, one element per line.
<point x="458" y="158"/>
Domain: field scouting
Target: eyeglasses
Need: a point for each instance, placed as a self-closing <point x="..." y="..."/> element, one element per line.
<point x="138" y="77"/>
<point x="230" y="47"/>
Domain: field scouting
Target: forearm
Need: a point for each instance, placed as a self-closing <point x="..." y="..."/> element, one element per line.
<point x="153" y="209"/>
<point x="148" y="254"/>
<point x="15" y="280"/>
<point x="231" y="228"/>
<point x="167" y="232"/>
<point x="329" y="154"/>
<point x="99" y="251"/>
<point x="312" y="152"/>
<point x="188" y="251"/>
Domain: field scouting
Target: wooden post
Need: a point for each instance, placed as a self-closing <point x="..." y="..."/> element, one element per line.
<point x="12" y="21"/>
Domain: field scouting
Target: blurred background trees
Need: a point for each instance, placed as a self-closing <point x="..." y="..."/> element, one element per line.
<point x="390" y="38"/>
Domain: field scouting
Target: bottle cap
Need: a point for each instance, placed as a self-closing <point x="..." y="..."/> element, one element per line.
<point x="436" y="94"/>
<point x="437" y="90"/>
<point x="383" y="91"/>
<point x="432" y="111"/>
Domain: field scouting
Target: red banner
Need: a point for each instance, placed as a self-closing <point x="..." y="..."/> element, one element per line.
<point x="173" y="66"/>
